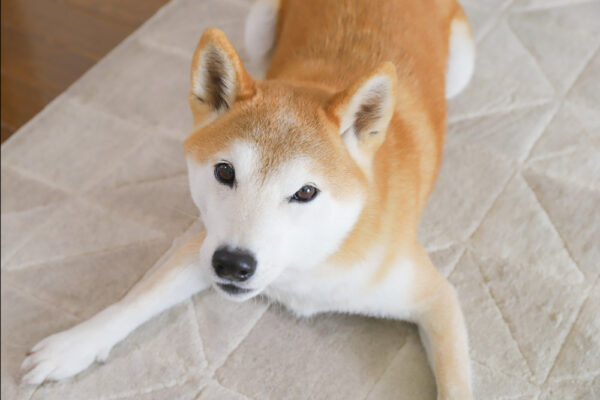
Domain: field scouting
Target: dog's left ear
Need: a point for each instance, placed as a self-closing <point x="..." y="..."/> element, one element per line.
<point x="218" y="76"/>
<point x="364" y="110"/>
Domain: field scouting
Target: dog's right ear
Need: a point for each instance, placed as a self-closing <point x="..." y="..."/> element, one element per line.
<point x="218" y="76"/>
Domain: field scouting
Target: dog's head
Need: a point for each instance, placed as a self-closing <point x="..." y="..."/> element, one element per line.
<point x="279" y="171"/>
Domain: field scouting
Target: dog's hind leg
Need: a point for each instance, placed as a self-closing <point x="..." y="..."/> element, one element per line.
<point x="261" y="25"/>
<point x="69" y="352"/>
<point x="461" y="55"/>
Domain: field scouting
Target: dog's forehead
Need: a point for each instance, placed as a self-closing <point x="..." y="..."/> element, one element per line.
<point x="254" y="164"/>
<point x="283" y="138"/>
<point x="275" y="133"/>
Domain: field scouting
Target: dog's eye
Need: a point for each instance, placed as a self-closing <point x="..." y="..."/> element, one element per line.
<point x="305" y="194"/>
<point x="225" y="174"/>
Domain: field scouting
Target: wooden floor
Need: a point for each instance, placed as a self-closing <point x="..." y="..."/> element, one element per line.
<point x="48" y="44"/>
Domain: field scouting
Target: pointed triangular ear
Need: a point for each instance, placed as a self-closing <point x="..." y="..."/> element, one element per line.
<point x="364" y="110"/>
<point x="218" y="76"/>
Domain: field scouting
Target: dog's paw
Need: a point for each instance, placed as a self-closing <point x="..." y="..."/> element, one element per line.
<point x="62" y="355"/>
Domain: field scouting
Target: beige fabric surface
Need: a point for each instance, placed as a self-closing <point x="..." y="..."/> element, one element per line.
<point x="94" y="193"/>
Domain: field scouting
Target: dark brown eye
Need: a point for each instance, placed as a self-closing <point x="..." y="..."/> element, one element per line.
<point x="305" y="194"/>
<point x="225" y="174"/>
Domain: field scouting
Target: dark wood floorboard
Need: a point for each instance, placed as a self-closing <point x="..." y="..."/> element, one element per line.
<point x="48" y="44"/>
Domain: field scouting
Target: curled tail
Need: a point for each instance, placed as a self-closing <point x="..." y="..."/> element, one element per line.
<point x="461" y="55"/>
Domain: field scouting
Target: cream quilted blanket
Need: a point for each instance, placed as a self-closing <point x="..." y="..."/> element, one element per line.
<point x="94" y="193"/>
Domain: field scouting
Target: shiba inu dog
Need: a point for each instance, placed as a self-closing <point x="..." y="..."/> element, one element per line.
<point x="310" y="183"/>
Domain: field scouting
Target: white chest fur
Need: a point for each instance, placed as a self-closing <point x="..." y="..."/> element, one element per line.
<point x="346" y="288"/>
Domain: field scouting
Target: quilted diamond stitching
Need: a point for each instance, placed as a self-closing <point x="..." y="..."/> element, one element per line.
<point x="514" y="26"/>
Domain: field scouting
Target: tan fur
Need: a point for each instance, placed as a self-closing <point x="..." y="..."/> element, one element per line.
<point x="325" y="51"/>
<point x="326" y="47"/>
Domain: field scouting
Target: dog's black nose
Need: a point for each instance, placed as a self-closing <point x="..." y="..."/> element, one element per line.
<point x="234" y="265"/>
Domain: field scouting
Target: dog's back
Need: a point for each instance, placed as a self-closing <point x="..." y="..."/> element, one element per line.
<point x="339" y="41"/>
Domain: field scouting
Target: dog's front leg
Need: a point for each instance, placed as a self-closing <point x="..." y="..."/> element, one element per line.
<point x="443" y="332"/>
<point x="69" y="352"/>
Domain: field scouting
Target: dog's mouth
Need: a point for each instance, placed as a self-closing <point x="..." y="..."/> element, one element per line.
<point x="233" y="289"/>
